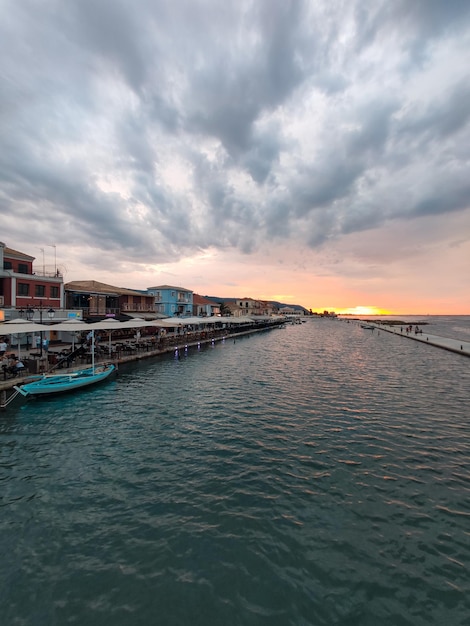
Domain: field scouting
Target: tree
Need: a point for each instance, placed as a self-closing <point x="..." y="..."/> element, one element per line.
<point x="224" y="309"/>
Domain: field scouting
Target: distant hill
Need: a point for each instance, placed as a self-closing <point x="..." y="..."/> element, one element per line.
<point x="279" y="305"/>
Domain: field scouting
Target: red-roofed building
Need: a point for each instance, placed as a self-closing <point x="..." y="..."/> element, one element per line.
<point x="203" y="307"/>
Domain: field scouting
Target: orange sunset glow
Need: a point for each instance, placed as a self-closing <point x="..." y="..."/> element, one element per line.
<point x="363" y="310"/>
<point x="339" y="186"/>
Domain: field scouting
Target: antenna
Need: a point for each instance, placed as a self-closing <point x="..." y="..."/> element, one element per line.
<point x="43" y="262"/>
<point x="55" y="256"/>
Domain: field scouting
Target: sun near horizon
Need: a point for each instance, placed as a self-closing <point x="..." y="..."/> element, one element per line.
<point x="357" y="310"/>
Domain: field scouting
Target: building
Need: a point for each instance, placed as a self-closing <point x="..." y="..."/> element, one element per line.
<point x="289" y="311"/>
<point x="268" y="308"/>
<point x="245" y="306"/>
<point x="172" y="301"/>
<point x="203" y="307"/>
<point x="27" y="289"/>
<point x="98" y="300"/>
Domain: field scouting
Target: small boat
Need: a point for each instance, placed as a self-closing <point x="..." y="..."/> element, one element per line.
<point x="60" y="383"/>
<point x="368" y="326"/>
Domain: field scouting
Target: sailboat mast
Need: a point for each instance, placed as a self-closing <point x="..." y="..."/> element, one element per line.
<point x="93" y="350"/>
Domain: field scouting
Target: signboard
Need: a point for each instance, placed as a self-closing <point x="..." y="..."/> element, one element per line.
<point x="74" y="315"/>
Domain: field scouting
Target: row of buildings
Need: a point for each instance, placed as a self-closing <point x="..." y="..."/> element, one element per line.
<point x="29" y="292"/>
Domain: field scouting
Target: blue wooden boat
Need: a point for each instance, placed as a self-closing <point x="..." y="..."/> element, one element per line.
<point x="61" y="383"/>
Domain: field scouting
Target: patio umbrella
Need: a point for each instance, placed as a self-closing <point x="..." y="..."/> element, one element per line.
<point x="73" y="326"/>
<point x="19" y="326"/>
<point x="168" y="323"/>
<point x="108" y="324"/>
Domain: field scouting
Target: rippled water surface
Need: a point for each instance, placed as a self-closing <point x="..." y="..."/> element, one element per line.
<point x="313" y="475"/>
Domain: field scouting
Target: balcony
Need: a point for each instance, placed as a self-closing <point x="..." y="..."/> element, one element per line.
<point x="138" y="308"/>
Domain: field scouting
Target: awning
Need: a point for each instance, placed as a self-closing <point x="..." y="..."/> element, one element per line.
<point x="21" y="326"/>
<point x="145" y="316"/>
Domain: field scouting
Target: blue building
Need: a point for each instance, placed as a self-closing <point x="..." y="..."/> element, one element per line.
<point x="172" y="301"/>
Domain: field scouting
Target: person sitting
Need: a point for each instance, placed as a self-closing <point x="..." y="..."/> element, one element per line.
<point x="4" y="364"/>
<point x="18" y="367"/>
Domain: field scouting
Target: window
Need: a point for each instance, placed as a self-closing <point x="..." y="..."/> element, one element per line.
<point x="7" y="265"/>
<point x="23" y="289"/>
<point x="22" y="268"/>
<point x="54" y="291"/>
<point x="39" y="291"/>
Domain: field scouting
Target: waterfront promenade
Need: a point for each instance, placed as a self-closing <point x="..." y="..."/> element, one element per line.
<point x="120" y="352"/>
<point x="453" y="345"/>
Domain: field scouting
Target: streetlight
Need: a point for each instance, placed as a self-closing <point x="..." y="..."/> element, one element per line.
<point x="30" y="315"/>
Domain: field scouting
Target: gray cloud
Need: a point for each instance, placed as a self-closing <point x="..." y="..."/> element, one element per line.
<point x="161" y="129"/>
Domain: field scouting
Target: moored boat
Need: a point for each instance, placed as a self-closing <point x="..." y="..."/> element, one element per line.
<point x="61" y="383"/>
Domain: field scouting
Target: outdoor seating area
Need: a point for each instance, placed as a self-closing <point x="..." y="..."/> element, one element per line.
<point x="12" y="367"/>
<point x="111" y="341"/>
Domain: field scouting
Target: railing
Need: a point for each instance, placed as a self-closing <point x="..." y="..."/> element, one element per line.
<point x="96" y="310"/>
<point x="146" y="308"/>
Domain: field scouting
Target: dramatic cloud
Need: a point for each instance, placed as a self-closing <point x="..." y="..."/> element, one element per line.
<point x="141" y="134"/>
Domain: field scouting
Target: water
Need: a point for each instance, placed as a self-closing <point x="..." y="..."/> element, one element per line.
<point x="316" y="475"/>
<point x="452" y="327"/>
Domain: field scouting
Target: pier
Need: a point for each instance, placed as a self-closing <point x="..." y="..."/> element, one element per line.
<point x="453" y="345"/>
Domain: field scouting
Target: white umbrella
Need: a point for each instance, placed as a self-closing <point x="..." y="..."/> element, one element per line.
<point x="137" y="323"/>
<point x="112" y="324"/>
<point x="241" y="320"/>
<point x="70" y="325"/>
<point x="108" y="324"/>
<point x="195" y="320"/>
<point x="168" y="323"/>
<point x="19" y="326"/>
<point x="16" y="338"/>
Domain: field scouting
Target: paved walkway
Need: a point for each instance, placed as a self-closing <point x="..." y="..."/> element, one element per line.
<point x="454" y="345"/>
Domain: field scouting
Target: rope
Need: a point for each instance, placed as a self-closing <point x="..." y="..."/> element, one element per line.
<point x="12" y="397"/>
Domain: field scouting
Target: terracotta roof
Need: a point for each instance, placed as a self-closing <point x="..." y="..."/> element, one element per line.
<point x="197" y="299"/>
<point x="93" y="286"/>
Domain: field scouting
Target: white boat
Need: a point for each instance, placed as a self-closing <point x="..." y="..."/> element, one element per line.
<point x="61" y="383"/>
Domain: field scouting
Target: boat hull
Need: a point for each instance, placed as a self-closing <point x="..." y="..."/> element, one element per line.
<point x="62" y="383"/>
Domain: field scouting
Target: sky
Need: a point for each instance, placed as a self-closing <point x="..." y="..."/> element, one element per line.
<point x="311" y="152"/>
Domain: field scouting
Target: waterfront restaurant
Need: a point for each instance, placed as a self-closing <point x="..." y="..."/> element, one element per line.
<point x="99" y="300"/>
